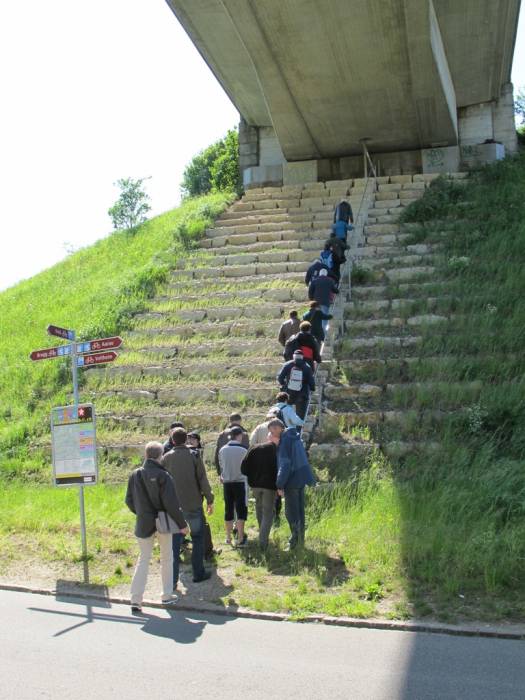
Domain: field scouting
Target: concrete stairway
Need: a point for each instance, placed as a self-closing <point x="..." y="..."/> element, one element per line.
<point x="207" y="344"/>
<point x="372" y="398"/>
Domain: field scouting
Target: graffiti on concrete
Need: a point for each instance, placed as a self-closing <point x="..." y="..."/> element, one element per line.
<point x="435" y="157"/>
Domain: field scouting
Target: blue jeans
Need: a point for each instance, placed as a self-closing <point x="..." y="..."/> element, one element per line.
<point x="294" y="511"/>
<point x="195" y="520"/>
<point x="326" y="310"/>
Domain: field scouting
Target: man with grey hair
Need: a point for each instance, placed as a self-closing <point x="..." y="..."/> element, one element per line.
<point x="150" y="490"/>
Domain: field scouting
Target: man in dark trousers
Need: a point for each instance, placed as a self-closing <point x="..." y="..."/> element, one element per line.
<point x="306" y="343"/>
<point x="288" y="328"/>
<point x="260" y="467"/>
<point x="191" y="485"/>
<point x="150" y="490"/>
<point x="224" y="437"/>
<point x="316" y="317"/>
<point x="297" y="379"/>
<point x="293" y="474"/>
<point x="322" y="290"/>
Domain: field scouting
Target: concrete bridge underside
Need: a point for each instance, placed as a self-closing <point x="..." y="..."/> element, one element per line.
<point x="315" y="77"/>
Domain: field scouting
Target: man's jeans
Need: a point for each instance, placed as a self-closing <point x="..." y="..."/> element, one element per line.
<point x="294" y="511"/>
<point x="140" y="577"/>
<point x="264" y="510"/>
<point x="195" y="520"/>
<point x="326" y="310"/>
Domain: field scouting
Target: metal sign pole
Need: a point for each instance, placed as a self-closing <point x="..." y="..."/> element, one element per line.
<point x="74" y="371"/>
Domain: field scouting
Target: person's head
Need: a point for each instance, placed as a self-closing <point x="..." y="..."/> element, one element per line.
<point x="314" y="305"/>
<point x="174" y="425"/>
<point x="326" y="246"/>
<point x="275" y="429"/>
<point x="194" y="440"/>
<point x="282" y="397"/>
<point x="305" y="327"/>
<point x="323" y="272"/>
<point x="235" y="433"/>
<point x="293" y="314"/>
<point x="179" y="437"/>
<point x="235" y="419"/>
<point x="298" y="357"/>
<point x="333" y="235"/>
<point x="154" y="451"/>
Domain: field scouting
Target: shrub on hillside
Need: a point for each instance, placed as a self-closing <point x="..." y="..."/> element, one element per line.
<point x="436" y="203"/>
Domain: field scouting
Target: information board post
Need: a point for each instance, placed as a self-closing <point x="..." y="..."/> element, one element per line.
<point x="83" y="536"/>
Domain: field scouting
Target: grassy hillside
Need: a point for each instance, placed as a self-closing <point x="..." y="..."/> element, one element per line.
<point x="94" y="291"/>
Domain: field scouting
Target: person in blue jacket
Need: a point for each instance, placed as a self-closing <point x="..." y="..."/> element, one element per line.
<point x="293" y="474"/>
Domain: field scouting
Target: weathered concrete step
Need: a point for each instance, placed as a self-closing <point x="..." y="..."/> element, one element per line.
<point x="377" y="342"/>
<point x="388" y="324"/>
<point x="291" y="254"/>
<point x="406" y="395"/>
<point x="409" y="290"/>
<point x="186" y="282"/>
<point x="201" y="311"/>
<point x="383" y="308"/>
<point x="260" y="329"/>
<point x="304" y="242"/>
<point x="283" y="294"/>
<point x="228" y="271"/>
<point x="217" y="369"/>
<point x="262" y="394"/>
<point x="233" y="219"/>
<point x="222" y="348"/>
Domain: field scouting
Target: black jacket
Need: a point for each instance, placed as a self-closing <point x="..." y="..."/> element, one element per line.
<point x="308" y="376"/>
<point x="260" y="466"/>
<point x="343" y="212"/>
<point x="313" y="271"/>
<point x="300" y="341"/>
<point x="316" y="318"/>
<point x="150" y="489"/>
<point x="321" y="288"/>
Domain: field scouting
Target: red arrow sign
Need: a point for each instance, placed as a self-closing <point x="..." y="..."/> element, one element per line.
<point x="61" y="332"/>
<point x="97" y="359"/>
<point x="99" y="344"/>
<point x="48" y="353"/>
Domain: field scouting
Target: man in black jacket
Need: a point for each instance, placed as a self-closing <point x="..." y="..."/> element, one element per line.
<point x="306" y="343"/>
<point x="260" y="466"/>
<point x="150" y="490"/>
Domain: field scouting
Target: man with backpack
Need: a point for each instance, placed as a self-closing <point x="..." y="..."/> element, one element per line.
<point x="314" y="269"/>
<point x="151" y="491"/>
<point x="284" y="411"/>
<point x="191" y="485"/>
<point x="288" y="328"/>
<point x="322" y="290"/>
<point x="297" y="380"/>
<point x="316" y="317"/>
<point x="306" y="343"/>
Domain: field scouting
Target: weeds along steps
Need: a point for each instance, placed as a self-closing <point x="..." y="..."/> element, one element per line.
<point x="373" y="398"/>
<point x="207" y="343"/>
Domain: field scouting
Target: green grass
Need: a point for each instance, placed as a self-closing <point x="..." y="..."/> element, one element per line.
<point x="95" y="291"/>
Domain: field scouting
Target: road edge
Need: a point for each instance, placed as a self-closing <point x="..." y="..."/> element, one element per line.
<point x="488" y="631"/>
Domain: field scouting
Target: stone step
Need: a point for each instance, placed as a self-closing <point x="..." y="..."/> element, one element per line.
<point x="260" y="329"/>
<point x="283" y="294"/>
<point x="380" y="326"/>
<point x="266" y="281"/>
<point x="408" y="290"/>
<point x="383" y="308"/>
<point x="200" y="312"/>
<point x="249" y="270"/>
<point x="219" y="369"/>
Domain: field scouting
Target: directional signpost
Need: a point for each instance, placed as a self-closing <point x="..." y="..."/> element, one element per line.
<point x="73" y="427"/>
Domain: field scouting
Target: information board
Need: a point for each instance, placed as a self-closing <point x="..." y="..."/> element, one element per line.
<point x="74" y="445"/>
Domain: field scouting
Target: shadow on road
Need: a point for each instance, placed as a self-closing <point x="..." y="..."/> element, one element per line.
<point x="180" y="625"/>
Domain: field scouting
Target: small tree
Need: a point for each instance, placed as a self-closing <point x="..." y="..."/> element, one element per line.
<point x="215" y="169"/>
<point x="131" y="207"/>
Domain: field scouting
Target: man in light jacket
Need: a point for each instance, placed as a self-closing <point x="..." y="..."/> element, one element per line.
<point x="234" y="485"/>
<point x="150" y="490"/>
<point x="191" y="485"/>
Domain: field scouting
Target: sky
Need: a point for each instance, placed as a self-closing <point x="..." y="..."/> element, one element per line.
<point x="93" y="92"/>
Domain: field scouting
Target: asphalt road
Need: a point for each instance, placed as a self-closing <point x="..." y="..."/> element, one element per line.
<point x="70" y="649"/>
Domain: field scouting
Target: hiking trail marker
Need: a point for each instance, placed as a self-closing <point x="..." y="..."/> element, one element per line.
<point x="73" y="432"/>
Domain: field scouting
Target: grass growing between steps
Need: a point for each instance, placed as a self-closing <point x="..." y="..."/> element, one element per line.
<point x="458" y="497"/>
<point x="94" y="291"/>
